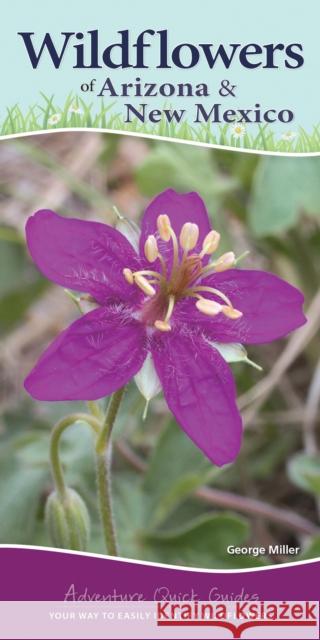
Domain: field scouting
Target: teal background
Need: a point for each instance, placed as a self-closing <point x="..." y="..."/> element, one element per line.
<point x="203" y="21"/>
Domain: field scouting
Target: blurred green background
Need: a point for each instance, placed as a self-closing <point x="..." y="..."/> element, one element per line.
<point x="171" y="504"/>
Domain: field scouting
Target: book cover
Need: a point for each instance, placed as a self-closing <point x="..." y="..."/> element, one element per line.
<point x="159" y="320"/>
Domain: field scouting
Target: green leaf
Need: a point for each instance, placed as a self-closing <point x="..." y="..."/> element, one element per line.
<point x="20" y="493"/>
<point x="20" y="284"/>
<point x="203" y="543"/>
<point x="14" y="304"/>
<point x="199" y="542"/>
<point x="183" y="168"/>
<point x="176" y="469"/>
<point x="12" y="265"/>
<point x="130" y="513"/>
<point x="304" y="472"/>
<point x="25" y="478"/>
<point x="283" y="188"/>
<point x="312" y="550"/>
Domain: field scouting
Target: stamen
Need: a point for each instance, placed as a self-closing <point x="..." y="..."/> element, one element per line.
<point x="189" y="235"/>
<point x="231" y="313"/>
<point x="144" y="285"/>
<point x="163" y="266"/>
<point x="151" y="250"/>
<point x="162" y="325"/>
<point x="175" y="263"/>
<point x="208" y="307"/>
<point x="170" y="308"/>
<point x="210" y="243"/>
<point x="147" y="272"/>
<point x="128" y="275"/>
<point x="216" y="292"/>
<point x="180" y="281"/>
<point x="226" y="261"/>
<point x="241" y="257"/>
<point x="164" y="227"/>
<point x="166" y="233"/>
<point x="212" y="266"/>
<point x="208" y="269"/>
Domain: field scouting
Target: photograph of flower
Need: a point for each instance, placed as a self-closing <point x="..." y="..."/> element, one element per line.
<point x="159" y="310"/>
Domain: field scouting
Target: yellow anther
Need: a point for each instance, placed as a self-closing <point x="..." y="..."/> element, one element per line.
<point x="226" y="261"/>
<point x="164" y="227"/>
<point x="144" y="285"/>
<point x="162" y="325"/>
<point x="128" y="275"/>
<point x="208" y="307"/>
<point x="151" y="250"/>
<point x="189" y="235"/>
<point x="210" y="243"/>
<point x="195" y="292"/>
<point x="231" y="313"/>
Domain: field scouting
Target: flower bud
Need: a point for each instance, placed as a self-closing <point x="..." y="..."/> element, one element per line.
<point x="67" y="520"/>
<point x="226" y="261"/>
<point x="189" y="235"/>
<point x="164" y="227"/>
<point x="151" y="250"/>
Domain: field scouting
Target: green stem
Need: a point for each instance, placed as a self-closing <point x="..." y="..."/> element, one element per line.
<point x="103" y="460"/>
<point x="95" y="410"/>
<point x="57" y="432"/>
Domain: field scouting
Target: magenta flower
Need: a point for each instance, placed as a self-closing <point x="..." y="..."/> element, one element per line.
<point x="163" y="309"/>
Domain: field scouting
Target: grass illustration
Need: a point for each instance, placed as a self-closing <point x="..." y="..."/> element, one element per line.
<point x="76" y="113"/>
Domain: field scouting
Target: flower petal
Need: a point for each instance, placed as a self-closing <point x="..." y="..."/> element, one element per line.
<point x="271" y="308"/>
<point x="200" y="391"/>
<point x="181" y="208"/>
<point x="95" y="356"/>
<point x="81" y="255"/>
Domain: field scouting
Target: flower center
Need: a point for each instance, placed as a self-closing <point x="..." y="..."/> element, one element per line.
<point x="163" y="290"/>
